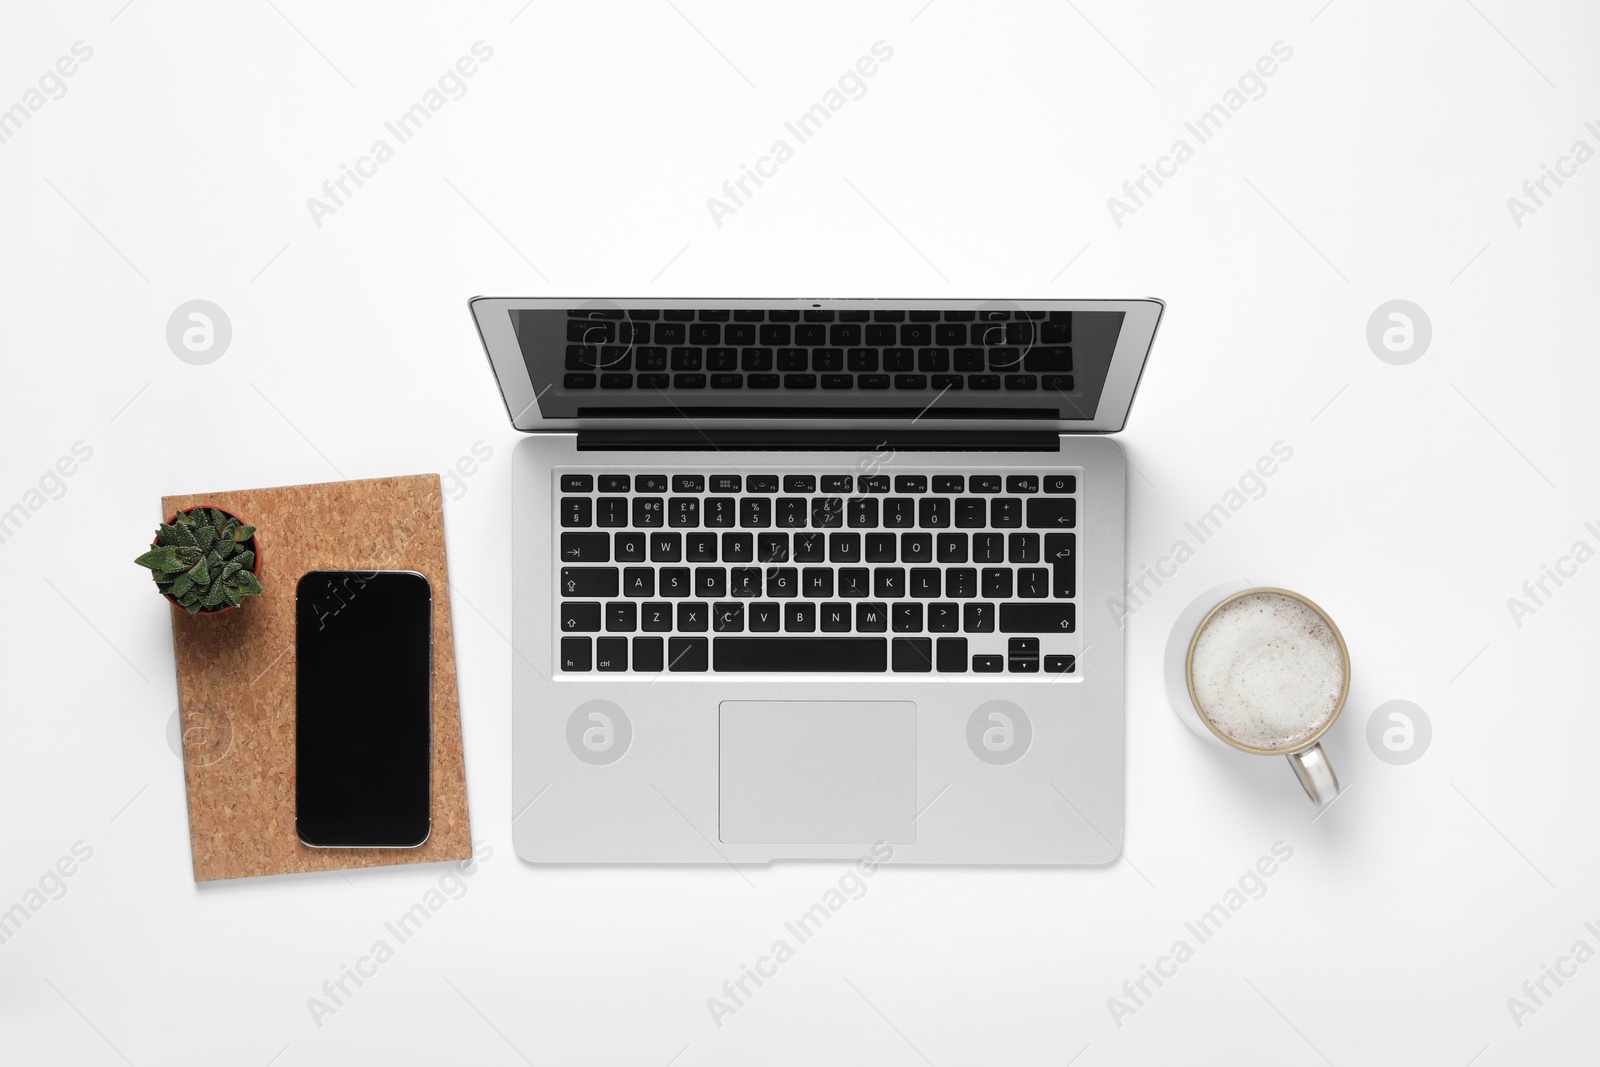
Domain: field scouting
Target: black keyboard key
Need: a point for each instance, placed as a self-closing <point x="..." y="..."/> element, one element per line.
<point x="638" y="582"/>
<point x="800" y="617"/>
<point x="629" y="546"/>
<point x="855" y="581"/>
<point x="1022" y="547"/>
<point x="996" y="583"/>
<point x="988" y="664"/>
<point x="835" y="618"/>
<point x="700" y="547"/>
<point x="577" y="483"/>
<point x="911" y="483"/>
<point x="616" y="381"/>
<point x="838" y="381"/>
<point x="1022" y="382"/>
<point x="1022" y="655"/>
<point x="799" y="483"/>
<point x="952" y="547"/>
<point x="687" y="654"/>
<point x="745" y="581"/>
<point x="1005" y="512"/>
<point x="727" y="617"/>
<point x="576" y="654"/>
<point x="977" y="617"/>
<point x="899" y="512"/>
<point x="688" y="483"/>
<point x="946" y="382"/>
<point x="888" y="316"/>
<point x="1059" y="552"/>
<point x="1040" y="617"/>
<point x="671" y="333"/>
<point x="984" y="483"/>
<point x="579" y="381"/>
<point x="914" y="654"/>
<point x="666" y="547"/>
<point x="1059" y="383"/>
<point x="872" y="483"/>
<point x="949" y="483"/>
<point x="827" y="512"/>
<point x="961" y="582"/>
<point x="1022" y="483"/>
<point x="1059" y="664"/>
<point x="799" y="381"/>
<point x="925" y="582"/>
<point x="933" y="513"/>
<point x="906" y="617"/>
<point x="794" y="654"/>
<point x="726" y="483"/>
<point x="944" y="617"/>
<point x="934" y="359"/>
<point x="1033" y="582"/>
<point x="710" y="582"/>
<point x="772" y="548"/>
<point x="577" y="511"/>
<point x="611" y="511"/>
<point x="844" y="548"/>
<point x="577" y="617"/>
<point x="951" y="655"/>
<point x="694" y="616"/>
<point x="676" y="582"/>
<point x="656" y="616"/>
<point x="1060" y="483"/>
<point x="1050" y="358"/>
<point x="809" y="548"/>
<point x="762" y="483"/>
<point x="651" y="483"/>
<point x="755" y="511"/>
<point x="873" y="381"/>
<point x="880" y="548"/>
<point x="792" y="512"/>
<point x="615" y="483"/>
<point x="988" y="548"/>
<point x="872" y="618"/>
<point x="864" y="511"/>
<point x="763" y="617"/>
<point x="688" y="381"/>
<point x="648" y="511"/>
<point x="589" y="581"/>
<point x="655" y="381"/>
<point x="776" y="335"/>
<point x="984" y="382"/>
<point x="737" y="548"/>
<point x="889" y="583"/>
<point x="916" y="548"/>
<point x="783" y="581"/>
<point x="817" y="582"/>
<point x="837" y="483"/>
<point x="721" y="511"/>
<point x="911" y="382"/>
<point x="1053" y="513"/>
<point x="622" y="616"/>
<point x="647" y="654"/>
<point x="585" y="548"/>
<point x="970" y="512"/>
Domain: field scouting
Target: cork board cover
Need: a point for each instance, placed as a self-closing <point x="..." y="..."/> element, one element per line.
<point x="236" y="673"/>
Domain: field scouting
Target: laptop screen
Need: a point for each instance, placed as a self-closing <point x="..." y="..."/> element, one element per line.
<point x="988" y="360"/>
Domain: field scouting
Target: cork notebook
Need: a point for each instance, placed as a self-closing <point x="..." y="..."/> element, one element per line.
<point x="236" y="674"/>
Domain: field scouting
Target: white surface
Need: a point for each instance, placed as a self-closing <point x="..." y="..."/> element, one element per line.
<point x="1418" y="499"/>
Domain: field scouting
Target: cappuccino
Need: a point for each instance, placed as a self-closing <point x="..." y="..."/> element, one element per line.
<point x="1268" y="672"/>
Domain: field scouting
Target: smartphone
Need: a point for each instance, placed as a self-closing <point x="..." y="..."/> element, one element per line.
<point x="363" y="724"/>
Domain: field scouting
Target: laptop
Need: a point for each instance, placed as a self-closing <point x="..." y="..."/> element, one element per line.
<point x="817" y="579"/>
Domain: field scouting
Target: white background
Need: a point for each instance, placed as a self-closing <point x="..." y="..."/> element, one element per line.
<point x="978" y="164"/>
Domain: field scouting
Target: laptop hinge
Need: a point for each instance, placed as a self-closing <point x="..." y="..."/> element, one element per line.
<point x="818" y="440"/>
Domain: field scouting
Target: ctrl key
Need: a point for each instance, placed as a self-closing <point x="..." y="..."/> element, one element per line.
<point x="575" y="654"/>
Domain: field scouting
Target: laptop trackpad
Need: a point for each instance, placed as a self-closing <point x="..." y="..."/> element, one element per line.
<point x="818" y="772"/>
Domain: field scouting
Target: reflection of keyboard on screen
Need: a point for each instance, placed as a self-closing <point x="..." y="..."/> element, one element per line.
<point x="985" y="349"/>
<point x="819" y="572"/>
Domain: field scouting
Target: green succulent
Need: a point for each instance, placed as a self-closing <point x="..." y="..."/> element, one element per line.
<point x="204" y="559"/>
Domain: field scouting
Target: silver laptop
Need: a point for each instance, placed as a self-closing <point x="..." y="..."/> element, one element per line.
<point x="817" y="579"/>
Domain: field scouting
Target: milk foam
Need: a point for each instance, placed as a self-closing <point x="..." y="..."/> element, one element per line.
<point x="1268" y="672"/>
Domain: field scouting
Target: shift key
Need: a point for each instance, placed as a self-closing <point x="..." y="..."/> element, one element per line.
<point x="589" y="581"/>
<point x="1037" y="617"/>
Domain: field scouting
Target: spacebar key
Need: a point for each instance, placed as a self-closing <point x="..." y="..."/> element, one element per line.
<point x="768" y="654"/>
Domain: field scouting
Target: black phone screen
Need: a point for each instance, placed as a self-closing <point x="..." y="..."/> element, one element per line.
<point x="363" y="708"/>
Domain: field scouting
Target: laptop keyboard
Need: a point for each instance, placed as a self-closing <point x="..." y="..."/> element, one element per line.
<point x="775" y="348"/>
<point x="786" y="572"/>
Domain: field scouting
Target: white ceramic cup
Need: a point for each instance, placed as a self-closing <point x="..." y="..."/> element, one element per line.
<point x="1305" y="753"/>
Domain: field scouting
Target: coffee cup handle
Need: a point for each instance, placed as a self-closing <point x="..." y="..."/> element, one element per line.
<point x="1316" y="775"/>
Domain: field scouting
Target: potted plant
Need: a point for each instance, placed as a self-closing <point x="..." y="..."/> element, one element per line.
<point x="205" y="560"/>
